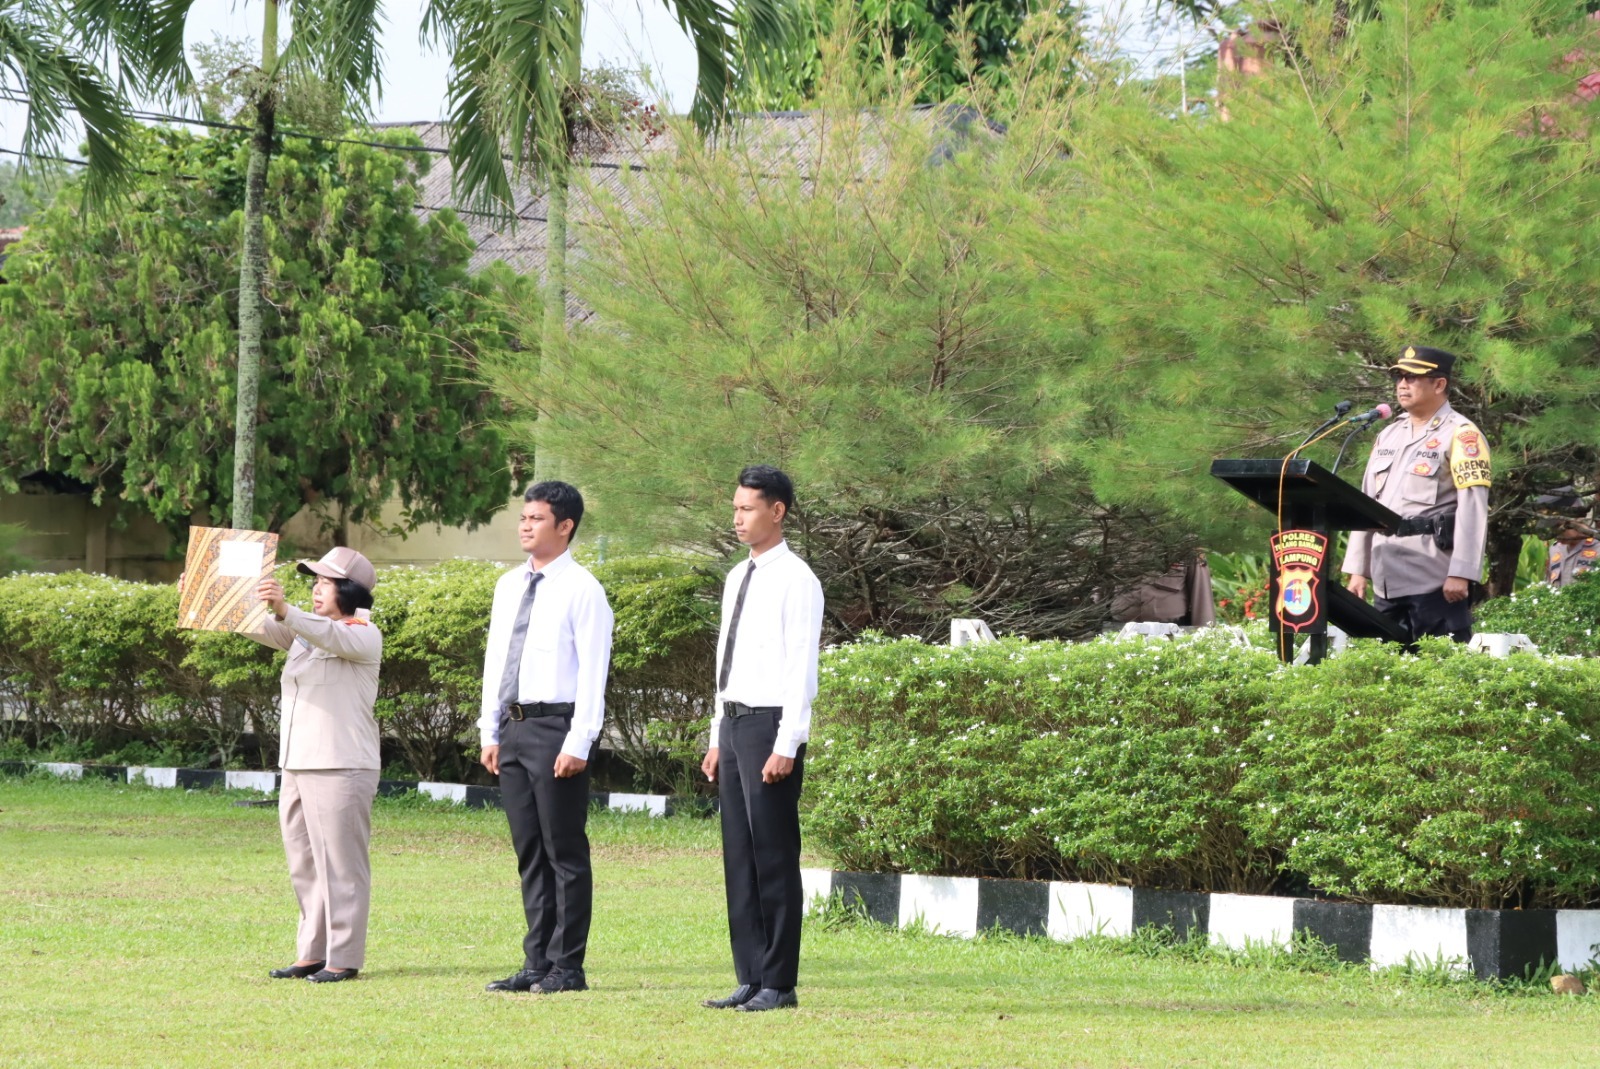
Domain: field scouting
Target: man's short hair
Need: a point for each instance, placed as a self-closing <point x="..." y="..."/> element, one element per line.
<point x="772" y="484"/>
<point x="563" y="498"/>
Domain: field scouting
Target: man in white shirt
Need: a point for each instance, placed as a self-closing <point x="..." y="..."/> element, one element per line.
<point x="766" y="679"/>
<point x="544" y="684"/>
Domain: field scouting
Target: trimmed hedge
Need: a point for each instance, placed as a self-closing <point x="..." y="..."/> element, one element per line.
<point x="1446" y="778"/>
<point x="104" y="661"/>
<point x="1564" y="621"/>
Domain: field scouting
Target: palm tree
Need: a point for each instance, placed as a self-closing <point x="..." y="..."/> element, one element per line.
<point x="512" y="95"/>
<point x="515" y="65"/>
<point x="39" y="69"/>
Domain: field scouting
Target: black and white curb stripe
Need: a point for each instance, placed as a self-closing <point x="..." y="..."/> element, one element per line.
<point x="470" y="795"/>
<point x="1491" y="942"/>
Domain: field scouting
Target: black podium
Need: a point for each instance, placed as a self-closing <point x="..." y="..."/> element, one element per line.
<point x="1314" y="504"/>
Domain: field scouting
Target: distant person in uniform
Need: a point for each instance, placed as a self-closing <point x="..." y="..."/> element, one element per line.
<point x="1576" y="550"/>
<point x="1182" y="596"/>
<point x="1431" y="464"/>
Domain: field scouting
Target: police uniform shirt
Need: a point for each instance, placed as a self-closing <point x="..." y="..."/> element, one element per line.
<point x="566" y="655"/>
<point x="1566" y="562"/>
<point x="775" y="649"/>
<point x="1439" y="469"/>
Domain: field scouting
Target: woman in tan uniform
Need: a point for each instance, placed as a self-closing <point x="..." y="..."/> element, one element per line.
<point x="328" y="751"/>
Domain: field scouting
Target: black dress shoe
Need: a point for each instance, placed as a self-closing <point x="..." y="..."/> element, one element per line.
<point x="296" y="972"/>
<point x="332" y="976"/>
<point x="522" y="980"/>
<point x="741" y="994"/>
<point x="559" y="979"/>
<point x="770" y="998"/>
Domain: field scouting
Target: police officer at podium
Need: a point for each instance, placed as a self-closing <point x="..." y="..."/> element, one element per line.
<point x="1431" y="466"/>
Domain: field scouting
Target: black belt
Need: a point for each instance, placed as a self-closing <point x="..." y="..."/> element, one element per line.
<point x="527" y="710"/>
<point x="735" y="710"/>
<point x="1442" y="528"/>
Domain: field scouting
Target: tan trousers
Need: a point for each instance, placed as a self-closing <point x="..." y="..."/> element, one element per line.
<point x="326" y="817"/>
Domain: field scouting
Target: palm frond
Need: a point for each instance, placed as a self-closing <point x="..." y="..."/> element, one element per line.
<point x="57" y="81"/>
<point x="141" y="40"/>
<point x="758" y="31"/>
<point x="513" y="65"/>
<point x="339" y="40"/>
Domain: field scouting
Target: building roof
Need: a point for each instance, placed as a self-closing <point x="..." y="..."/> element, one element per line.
<point x="783" y="143"/>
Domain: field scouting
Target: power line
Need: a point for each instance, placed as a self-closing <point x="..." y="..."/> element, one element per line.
<point x="332" y="139"/>
<point x="418" y="206"/>
<point x="597" y="165"/>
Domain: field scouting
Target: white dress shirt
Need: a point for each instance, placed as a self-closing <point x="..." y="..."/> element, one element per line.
<point x="566" y="655"/>
<point x="775" y="649"/>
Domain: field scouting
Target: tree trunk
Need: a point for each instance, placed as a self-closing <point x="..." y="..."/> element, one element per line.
<point x="252" y="276"/>
<point x="555" y="293"/>
<point x="1504" y="549"/>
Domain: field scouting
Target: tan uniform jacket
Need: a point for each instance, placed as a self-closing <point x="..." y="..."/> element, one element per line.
<point x="1182" y="595"/>
<point x="330" y="684"/>
<point x="1566" y="563"/>
<point x="1416" y="473"/>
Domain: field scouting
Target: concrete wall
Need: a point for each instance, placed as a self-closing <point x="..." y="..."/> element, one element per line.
<point x="68" y="532"/>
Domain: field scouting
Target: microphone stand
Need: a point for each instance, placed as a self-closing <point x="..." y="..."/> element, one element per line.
<point x="1338" y="413"/>
<point x="1346" y="444"/>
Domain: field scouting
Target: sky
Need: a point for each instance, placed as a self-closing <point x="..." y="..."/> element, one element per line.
<point x="628" y="33"/>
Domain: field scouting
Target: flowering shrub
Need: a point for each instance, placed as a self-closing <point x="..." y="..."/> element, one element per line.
<point x="1449" y="777"/>
<point x="1103" y="761"/>
<point x="1559" y="621"/>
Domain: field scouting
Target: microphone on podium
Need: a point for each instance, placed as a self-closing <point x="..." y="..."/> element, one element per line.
<point x="1359" y="423"/>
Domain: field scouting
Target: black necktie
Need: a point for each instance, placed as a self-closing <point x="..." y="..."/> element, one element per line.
<point x="733" y="628"/>
<point x="511" y="677"/>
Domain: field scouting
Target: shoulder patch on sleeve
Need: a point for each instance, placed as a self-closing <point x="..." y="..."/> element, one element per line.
<point x="1469" y="457"/>
<point x="351" y="621"/>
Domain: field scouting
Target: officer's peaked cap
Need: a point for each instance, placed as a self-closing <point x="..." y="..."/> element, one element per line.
<point x="1422" y="360"/>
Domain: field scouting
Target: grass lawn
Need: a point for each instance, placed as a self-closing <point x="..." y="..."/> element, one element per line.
<point x="137" y="927"/>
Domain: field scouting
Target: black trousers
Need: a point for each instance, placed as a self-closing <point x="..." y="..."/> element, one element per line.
<point x="760" y="853"/>
<point x="1429" y="614"/>
<point x="548" y="818"/>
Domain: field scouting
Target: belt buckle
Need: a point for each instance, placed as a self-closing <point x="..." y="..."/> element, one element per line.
<point x="514" y="711"/>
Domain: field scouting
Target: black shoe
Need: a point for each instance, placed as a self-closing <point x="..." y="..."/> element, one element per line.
<point x="741" y="994"/>
<point x="522" y="980"/>
<point x="559" y="979"/>
<point x="770" y="998"/>
<point x="296" y="972"/>
<point x="332" y="976"/>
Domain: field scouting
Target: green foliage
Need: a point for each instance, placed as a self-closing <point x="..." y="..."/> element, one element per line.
<point x="1447" y="778"/>
<point x="105" y="662"/>
<point x="40" y="60"/>
<point x="1421" y="178"/>
<point x="118" y="334"/>
<point x="947" y="42"/>
<point x="434" y="622"/>
<point x="1450" y="778"/>
<point x="11" y="559"/>
<point x="1103" y="761"/>
<point x="1560" y="621"/>
<point x="22" y="194"/>
<point x="230" y="80"/>
<point x="1239" y="584"/>
<point x="759" y="303"/>
<point x="663" y="663"/>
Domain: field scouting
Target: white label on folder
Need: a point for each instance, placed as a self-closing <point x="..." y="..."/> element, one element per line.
<point x="239" y="558"/>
